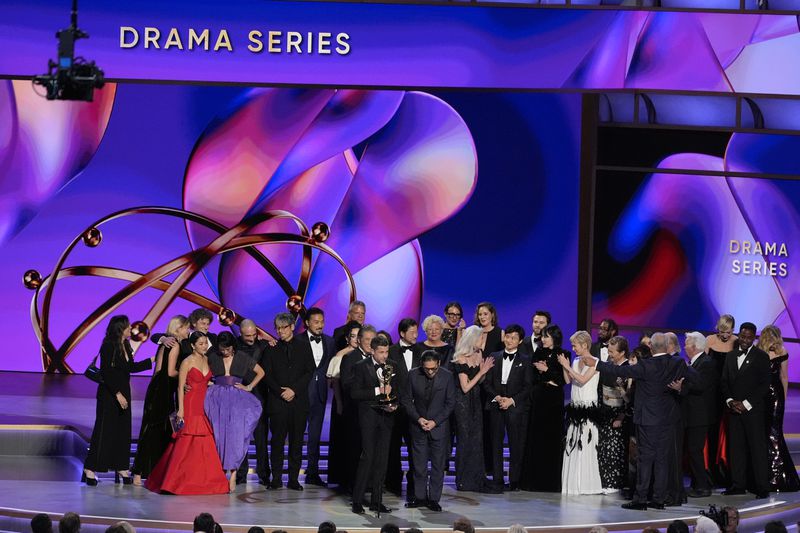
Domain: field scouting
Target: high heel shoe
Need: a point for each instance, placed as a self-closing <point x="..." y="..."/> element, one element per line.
<point x="126" y="480"/>
<point x="90" y="481"/>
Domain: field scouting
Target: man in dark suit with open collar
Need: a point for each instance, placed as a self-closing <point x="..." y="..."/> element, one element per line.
<point x="404" y="357"/>
<point x="428" y="398"/>
<point x="321" y="348"/>
<point x="745" y="382"/>
<point x="367" y="388"/>
<point x="287" y="370"/>
<point x="508" y="388"/>
<point x="655" y="411"/>
<point x="699" y="411"/>
<point x="605" y="331"/>
<point x="529" y="346"/>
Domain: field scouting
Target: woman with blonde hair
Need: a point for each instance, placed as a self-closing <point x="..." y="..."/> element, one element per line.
<point x="433" y="326"/>
<point x="159" y="402"/>
<point x="783" y="476"/>
<point x="470" y="368"/>
<point x="580" y="473"/>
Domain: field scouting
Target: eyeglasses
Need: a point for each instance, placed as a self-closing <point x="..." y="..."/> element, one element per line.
<point x="453" y="315"/>
<point x="430" y="370"/>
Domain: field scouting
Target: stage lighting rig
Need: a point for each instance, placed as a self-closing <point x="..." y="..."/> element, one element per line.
<point x="70" y="77"/>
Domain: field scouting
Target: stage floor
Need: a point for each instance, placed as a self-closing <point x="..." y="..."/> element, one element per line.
<point x="303" y="511"/>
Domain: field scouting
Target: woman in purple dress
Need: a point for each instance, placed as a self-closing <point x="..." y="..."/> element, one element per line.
<point x="230" y="407"/>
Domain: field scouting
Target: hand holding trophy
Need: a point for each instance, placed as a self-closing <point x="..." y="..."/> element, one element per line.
<point x="388" y="399"/>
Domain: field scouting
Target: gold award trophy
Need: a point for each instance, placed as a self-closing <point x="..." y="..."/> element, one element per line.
<point x="390" y="399"/>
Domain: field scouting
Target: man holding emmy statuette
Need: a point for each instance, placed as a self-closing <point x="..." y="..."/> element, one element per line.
<point x="371" y="388"/>
<point x="429" y="398"/>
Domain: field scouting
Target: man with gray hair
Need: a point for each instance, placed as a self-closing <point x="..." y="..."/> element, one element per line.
<point x="655" y="412"/>
<point x="357" y="311"/>
<point x="287" y="370"/>
<point x="700" y="410"/>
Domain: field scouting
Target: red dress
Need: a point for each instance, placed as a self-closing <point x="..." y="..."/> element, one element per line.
<point x="191" y="465"/>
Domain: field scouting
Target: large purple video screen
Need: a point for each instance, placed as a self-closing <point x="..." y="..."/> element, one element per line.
<point x="429" y="197"/>
<point x="712" y="229"/>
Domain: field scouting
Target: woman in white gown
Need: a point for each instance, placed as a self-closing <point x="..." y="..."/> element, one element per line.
<point x="580" y="473"/>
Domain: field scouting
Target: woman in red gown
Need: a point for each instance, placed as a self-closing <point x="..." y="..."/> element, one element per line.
<point x="191" y="465"/>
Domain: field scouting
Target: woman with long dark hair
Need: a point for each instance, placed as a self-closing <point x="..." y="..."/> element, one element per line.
<point x="110" y="446"/>
<point x="546" y="423"/>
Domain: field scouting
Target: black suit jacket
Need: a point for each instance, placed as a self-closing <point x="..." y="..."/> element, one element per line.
<point x="750" y="382"/>
<point x="656" y="404"/>
<point x="595" y="349"/>
<point x="318" y="384"/>
<point x="287" y="365"/>
<point x="700" y="402"/>
<point x="349" y="360"/>
<point x="362" y="390"/>
<point x="440" y="406"/>
<point x="527" y="346"/>
<point x="255" y="352"/>
<point x="519" y="385"/>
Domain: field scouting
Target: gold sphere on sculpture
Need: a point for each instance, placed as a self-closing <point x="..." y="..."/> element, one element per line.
<point x="32" y="279"/>
<point x="93" y="237"/>
<point x="139" y="331"/>
<point x="226" y="316"/>
<point x="294" y="304"/>
<point x="320" y="232"/>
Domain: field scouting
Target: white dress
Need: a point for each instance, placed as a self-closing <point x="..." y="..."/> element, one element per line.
<point x="580" y="473"/>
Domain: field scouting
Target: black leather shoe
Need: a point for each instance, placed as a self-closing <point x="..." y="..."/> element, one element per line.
<point x="90" y="481"/>
<point x="491" y="489"/>
<point x="380" y="508"/>
<point x="656" y="505"/>
<point x="635" y="506"/>
<point x="669" y="502"/>
<point x="435" y="507"/>
<point x="294" y="485"/>
<point x="698" y="493"/>
<point x="357" y="508"/>
<point x="276" y="485"/>
<point x="315" y="480"/>
<point x="413" y="504"/>
<point x="761" y="495"/>
<point x="733" y="492"/>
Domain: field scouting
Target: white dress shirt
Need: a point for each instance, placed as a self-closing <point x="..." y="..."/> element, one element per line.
<point x="408" y="355"/>
<point x="316" y="349"/>
<point x="507" y="364"/>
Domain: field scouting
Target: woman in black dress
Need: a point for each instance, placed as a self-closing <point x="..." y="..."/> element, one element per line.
<point x="718" y="346"/>
<point x="541" y="465"/>
<point x="612" y="446"/>
<point x="492" y="336"/>
<point x="782" y="473"/>
<point x="433" y="325"/>
<point x="159" y="402"/>
<point x="470" y="368"/>
<point x="110" y="445"/>
<point x="453" y="323"/>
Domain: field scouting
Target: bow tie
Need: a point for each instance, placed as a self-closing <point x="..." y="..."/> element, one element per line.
<point x="509" y="356"/>
<point x="378" y="365"/>
<point x="405" y="348"/>
<point x="316" y="338"/>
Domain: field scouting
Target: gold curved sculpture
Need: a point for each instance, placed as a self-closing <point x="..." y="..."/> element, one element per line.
<point x="190" y="264"/>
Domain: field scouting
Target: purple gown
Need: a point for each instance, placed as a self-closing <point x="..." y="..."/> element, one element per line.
<point x="234" y="414"/>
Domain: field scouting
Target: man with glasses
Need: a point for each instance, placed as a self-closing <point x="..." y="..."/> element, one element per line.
<point x="428" y="398"/>
<point x="288" y="370"/>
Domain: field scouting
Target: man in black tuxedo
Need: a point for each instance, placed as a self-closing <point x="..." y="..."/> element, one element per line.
<point x="428" y="398"/>
<point x="404" y="357"/>
<point x="367" y="388"/>
<point x="605" y="331"/>
<point x="676" y="494"/>
<point x="352" y="430"/>
<point x="655" y="412"/>
<point x="529" y="346"/>
<point x="255" y="348"/>
<point x="745" y="383"/>
<point x="699" y="411"/>
<point x="288" y="369"/>
<point x="322" y="348"/>
<point x="356" y="312"/>
<point x="508" y="395"/>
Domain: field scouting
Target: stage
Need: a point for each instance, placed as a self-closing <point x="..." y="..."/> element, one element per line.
<point x="45" y="421"/>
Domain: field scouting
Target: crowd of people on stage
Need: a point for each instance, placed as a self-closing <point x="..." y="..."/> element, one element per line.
<point x="632" y="415"/>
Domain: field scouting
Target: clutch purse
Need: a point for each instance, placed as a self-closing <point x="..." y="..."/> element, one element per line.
<point x="93" y="373"/>
<point x="175" y="422"/>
